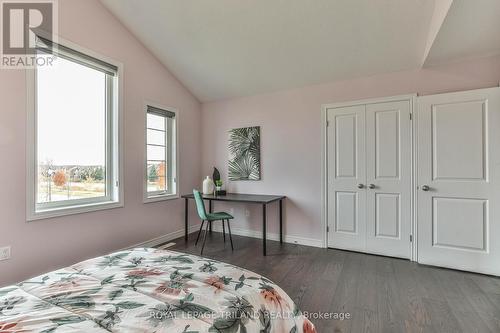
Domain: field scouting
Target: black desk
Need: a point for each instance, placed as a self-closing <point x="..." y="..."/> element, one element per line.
<point x="246" y="198"/>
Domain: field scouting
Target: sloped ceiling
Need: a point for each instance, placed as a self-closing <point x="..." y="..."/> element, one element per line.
<point x="471" y="29"/>
<point x="222" y="49"/>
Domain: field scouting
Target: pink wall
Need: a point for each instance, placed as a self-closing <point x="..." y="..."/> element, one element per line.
<point x="45" y="245"/>
<point x="291" y="135"/>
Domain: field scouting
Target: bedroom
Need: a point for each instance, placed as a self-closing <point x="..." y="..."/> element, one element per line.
<point x="361" y="119"/>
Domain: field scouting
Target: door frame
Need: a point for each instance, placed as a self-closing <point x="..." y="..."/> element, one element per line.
<point x="412" y="98"/>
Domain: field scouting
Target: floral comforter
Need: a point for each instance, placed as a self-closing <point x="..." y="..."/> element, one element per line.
<point x="149" y="290"/>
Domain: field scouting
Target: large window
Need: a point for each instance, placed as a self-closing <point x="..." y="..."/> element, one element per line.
<point x="160" y="168"/>
<point x="74" y="163"/>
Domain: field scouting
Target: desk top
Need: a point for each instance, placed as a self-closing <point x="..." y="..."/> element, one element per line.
<point x="238" y="197"/>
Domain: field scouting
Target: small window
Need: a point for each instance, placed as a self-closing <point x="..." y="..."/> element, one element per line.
<point x="74" y="164"/>
<point x="160" y="167"/>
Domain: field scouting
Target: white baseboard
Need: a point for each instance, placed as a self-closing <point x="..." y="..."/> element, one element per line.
<point x="166" y="238"/>
<point x="235" y="231"/>
<point x="272" y="236"/>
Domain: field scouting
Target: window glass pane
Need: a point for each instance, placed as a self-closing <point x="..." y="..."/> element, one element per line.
<point x="156" y="176"/>
<point x="155" y="121"/>
<point x="156" y="153"/>
<point x="156" y="137"/>
<point x="159" y="176"/>
<point x="71" y="132"/>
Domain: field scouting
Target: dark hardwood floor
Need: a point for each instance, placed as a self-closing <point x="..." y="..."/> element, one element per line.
<point x="381" y="294"/>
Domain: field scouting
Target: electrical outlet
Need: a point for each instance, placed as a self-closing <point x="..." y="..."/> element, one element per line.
<point x="231" y="211"/>
<point x="247" y="213"/>
<point x="5" y="253"/>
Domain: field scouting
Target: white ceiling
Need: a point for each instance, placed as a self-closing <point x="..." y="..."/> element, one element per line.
<point x="223" y="49"/>
<point x="471" y="29"/>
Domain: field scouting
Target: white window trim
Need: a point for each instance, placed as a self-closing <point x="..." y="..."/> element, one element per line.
<point x="116" y="200"/>
<point x="175" y="154"/>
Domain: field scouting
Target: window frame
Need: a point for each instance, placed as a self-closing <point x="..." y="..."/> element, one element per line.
<point x="171" y="154"/>
<point x="114" y="147"/>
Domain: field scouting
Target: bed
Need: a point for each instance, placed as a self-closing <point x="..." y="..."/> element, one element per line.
<point x="149" y="290"/>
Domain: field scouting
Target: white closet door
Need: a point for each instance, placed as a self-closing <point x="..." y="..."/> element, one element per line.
<point x="459" y="180"/>
<point x="346" y="178"/>
<point x="388" y="151"/>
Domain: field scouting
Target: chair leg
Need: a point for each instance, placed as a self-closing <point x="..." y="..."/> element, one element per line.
<point x="204" y="238"/>
<point x="199" y="232"/>
<point x="223" y="231"/>
<point x="230" y="236"/>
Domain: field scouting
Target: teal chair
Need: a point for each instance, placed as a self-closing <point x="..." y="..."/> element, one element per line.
<point x="209" y="218"/>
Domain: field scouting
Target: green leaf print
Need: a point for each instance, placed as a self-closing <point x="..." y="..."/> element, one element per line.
<point x="5" y="291"/>
<point x="188" y="298"/>
<point x="63" y="321"/>
<point x="107" y="280"/>
<point x="253" y="278"/>
<point x="182" y="258"/>
<point x="92" y="291"/>
<point x="136" y="261"/>
<point x="186" y="330"/>
<point x="11" y="302"/>
<point x="226" y="280"/>
<point x="112" y="260"/>
<point x="180" y="268"/>
<point x="265" y="320"/>
<point x="109" y="319"/>
<point x="67" y="320"/>
<point x="187" y="305"/>
<point x="225" y="325"/>
<point x="176" y="275"/>
<point x="238" y="312"/>
<point x="296" y="311"/>
<point x="115" y="293"/>
<point x="208" y="267"/>
<point x="81" y="301"/>
<point x="129" y="305"/>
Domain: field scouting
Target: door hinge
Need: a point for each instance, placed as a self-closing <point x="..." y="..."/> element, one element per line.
<point x="411" y="116"/>
<point x="327" y="229"/>
<point x="411" y="238"/>
<point x="327" y="123"/>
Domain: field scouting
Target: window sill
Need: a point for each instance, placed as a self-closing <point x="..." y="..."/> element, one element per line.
<point x="64" y="211"/>
<point x="160" y="197"/>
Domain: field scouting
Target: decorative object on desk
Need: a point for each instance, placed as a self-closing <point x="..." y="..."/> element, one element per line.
<point x="218" y="188"/>
<point x="216" y="175"/>
<point x="218" y="185"/>
<point x="208" y="186"/>
<point x="244" y="153"/>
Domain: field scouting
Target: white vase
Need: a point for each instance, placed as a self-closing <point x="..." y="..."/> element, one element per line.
<point x="208" y="186"/>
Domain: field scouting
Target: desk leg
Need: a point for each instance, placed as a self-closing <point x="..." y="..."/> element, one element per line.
<point x="186" y="219"/>
<point x="210" y="210"/>
<point x="281" y="221"/>
<point x="264" y="252"/>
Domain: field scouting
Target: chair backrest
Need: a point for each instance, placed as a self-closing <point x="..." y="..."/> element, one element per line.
<point x="200" y="205"/>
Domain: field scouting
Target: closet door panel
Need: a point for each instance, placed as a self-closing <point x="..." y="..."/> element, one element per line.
<point x="388" y="159"/>
<point x="346" y="178"/>
<point x="458" y="214"/>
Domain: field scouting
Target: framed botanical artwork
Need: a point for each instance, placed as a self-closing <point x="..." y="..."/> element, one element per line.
<point x="244" y="153"/>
